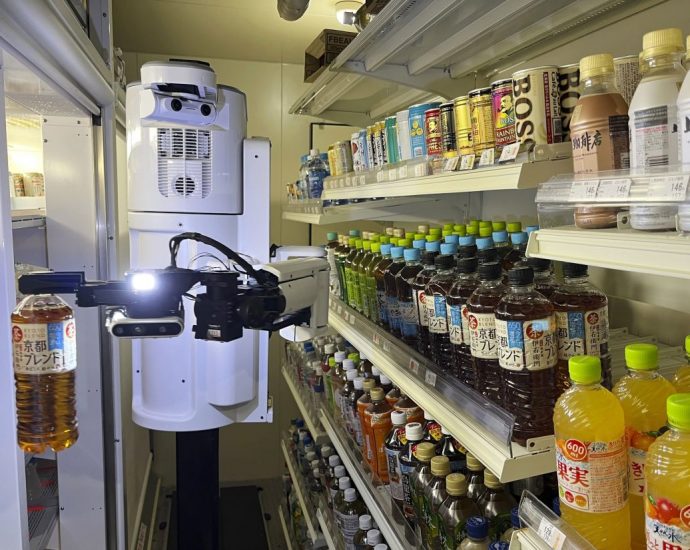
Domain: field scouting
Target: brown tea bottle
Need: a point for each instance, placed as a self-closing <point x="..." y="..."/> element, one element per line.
<point x="544" y="281"/>
<point x="459" y="330"/>
<point x="379" y="272"/>
<point x="419" y="287"/>
<point x="436" y="292"/>
<point x="409" y="315"/>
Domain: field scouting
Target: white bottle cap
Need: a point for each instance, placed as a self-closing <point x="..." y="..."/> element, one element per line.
<point x="365" y="522"/>
<point x="329" y="349"/>
<point x="414" y="431"/>
<point x="344" y="483"/>
<point x="340" y="356"/>
<point x="351" y="375"/>
<point x="314" y="152"/>
<point x="385" y="380"/>
<point x="381" y="547"/>
<point x="348" y="364"/>
<point x="333" y="461"/>
<point x="359" y="383"/>
<point x="427" y="416"/>
<point x="375" y="371"/>
<point x="374" y="537"/>
<point x="326" y="451"/>
<point x="315" y="463"/>
<point x="399" y="418"/>
<point x="315" y="472"/>
<point x="311" y="456"/>
<point x="339" y="471"/>
<point x="350" y="494"/>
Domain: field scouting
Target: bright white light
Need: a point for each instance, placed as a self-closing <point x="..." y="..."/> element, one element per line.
<point x="143" y="281"/>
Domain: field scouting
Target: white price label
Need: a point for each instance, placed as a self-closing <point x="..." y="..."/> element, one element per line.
<point x="420" y="170"/>
<point x="414" y="366"/>
<point x="430" y="378"/>
<point x="362" y="179"/>
<point x="376" y="338"/>
<point x="467" y="162"/>
<point x="402" y="171"/>
<point x="352" y="318"/>
<point x="509" y="152"/>
<point x="584" y="190"/>
<point x="550" y="534"/>
<point x="380" y="176"/>
<point x="392" y="174"/>
<point x="348" y="181"/>
<point x="451" y="164"/>
<point x="673" y="188"/>
<point x="614" y="188"/>
<point x="340" y="309"/>
<point x="386" y="346"/>
<point x="487" y="158"/>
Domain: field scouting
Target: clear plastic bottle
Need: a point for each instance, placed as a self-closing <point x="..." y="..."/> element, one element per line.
<point x="362" y="405"/>
<point x="419" y="287"/>
<point x="459" y="331"/>
<point x="434" y="495"/>
<point x="378" y="423"/>
<point x="409" y="316"/>
<point x="365" y="366"/>
<point x="344" y="483"/>
<point x="477" y="529"/>
<point x="481" y="307"/>
<point x="379" y="272"/>
<point x="419" y="479"/>
<point x="475" y="478"/>
<point x="370" y="283"/>
<point x="501" y="241"/>
<point x="527" y="354"/>
<point x="642" y="393"/>
<point x="392" y="290"/>
<point x="339" y="472"/>
<point x="350" y="510"/>
<point x="45" y="359"/>
<point x="454" y="512"/>
<point x="337" y="381"/>
<point x="495" y="505"/>
<point x="448" y="446"/>
<point x="591" y="455"/>
<point x="317" y="171"/>
<point x="345" y="400"/>
<point x="681" y="378"/>
<point x="544" y="281"/>
<point x="516" y="255"/>
<point x="667" y="495"/>
<point x="395" y="443"/>
<point x="374" y="538"/>
<point x="351" y="281"/>
<point x="582" y="320"/>
<point x="408" y="460"/>
<point x="514" y="524"/>
<point x="435" y="299"/>
<point x="352" y="412"/>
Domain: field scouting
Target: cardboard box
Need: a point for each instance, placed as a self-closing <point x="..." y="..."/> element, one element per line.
<point x="323" y="50"/>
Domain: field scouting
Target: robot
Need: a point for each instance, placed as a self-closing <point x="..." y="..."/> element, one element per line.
<point x="197" y="191"/>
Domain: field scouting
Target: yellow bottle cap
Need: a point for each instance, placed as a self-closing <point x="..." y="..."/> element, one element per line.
<point x="514" y="227"/>
<point x="456" y="484"/>
<point x="440" y="466"/>
<point x="377" y="394"/>
<point x="384" y="239"/>
<point x="375" y="238"/>
<point x="358" y="243"/>
<point x="459" y="228"/>
<point x="642" y="356"/>
<point x="473" y="230"/>
<point x="678" y="410"/>
<point x="491" y="481"/>
<point x="474" y="223"/>
<point x="446" y="232"/>
<point x="663" y="41"/>
<point x="584" y="369"/>
<point x="435" y="231"/>
<point x="331" y="361"/>
<point x="418" y="236"/>
<point x="376" y="248"/>
<point x="368" y="384"/>
<point x="425" y="451"/>
<point x="473" y="464"/>
<point x="485" y="231"/>
<point x="596" y="65"/>
<point x="498" y="226"/>
<point x="687" y="343"/>
<point x="354" y="356"/>
<point x="448" y="227"/>
<point x="366" y="245"/>
<point x="409" y="235"/>
<point x="394" y="241"/>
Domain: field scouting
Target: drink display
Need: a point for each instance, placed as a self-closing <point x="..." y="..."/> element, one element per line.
<point x="642" y="394"/>
<point x="496" y="504"/>
<point x="435" y="299"/>
<point x="434" y="495"/>
<point x="527" y="354"/>
<point x="582" y="320"/>
<point x="481" y="306"/>
<point x="681" y="378"/>
<point x="379" y="272"/>
<point x="454" y="512"/>
<point x="349" y="512"/>
<point x="594" y="451"/>
<point x="667" y="496"/>
<point x="395" y="443"/>
<point x="458" y="325"/>
<point x="537" y="112"/>
<point x="409" y="316"/>
<point x="378" y="424"/>
<point x="391" y="289"/>
<point x="44" y="353"/>
<point x="363" y="283"/>
<point x="463" y="125"/>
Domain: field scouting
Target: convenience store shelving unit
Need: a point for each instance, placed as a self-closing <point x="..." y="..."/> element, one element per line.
<point x="286" y="531"/>
<point x="326" y="530"/>
<point x="309" y="415"/>
<point x="300" y="490"/>
<point x="23" y="219"/>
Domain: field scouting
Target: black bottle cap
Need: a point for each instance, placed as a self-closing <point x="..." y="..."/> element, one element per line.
<point x="428" y="257"/>
<point x="521" y="276"/>
<point x="487" y="255"/>
<point x="490" y="271"/>
<point x="466" y="266"/>
<point x="539" y="264"/>
<point x="444" y="261"/>
<point x="467" y="251"/>
<point x="574" y="270"/>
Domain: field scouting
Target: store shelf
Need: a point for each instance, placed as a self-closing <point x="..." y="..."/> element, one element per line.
<point x="284" y="525"/>
<point x="22" y="219"/>
<point x="307" y="509"/>
<point x="308" y="414"/>
<point x="480" y="426"/>
<point x="326" y="530"/>
<point x="376" y="497"/>
<point x="491" y="178"/>
<point x="627" y="250"/>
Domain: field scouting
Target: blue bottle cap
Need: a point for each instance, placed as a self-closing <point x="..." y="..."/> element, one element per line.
<point x="450" y="239"/>
<point x="499" y="545"/>
<point x="518" y="238"/>
<point x="354" y="232"/>
<point x="300" y="423"/>
<point x="500" y="236"/>
<point x="556" y="506"/>
<point x="466" y="240"/>
<point x="412" y="254"/>
<point x="419" y="243"/>
<point x="386" y="249"/>
<point x="433" y="246"/>
<point x="477" y="527"/>
<point x="449" y="248"/>
<point x="484" y="242"/>
<point x="515" y="517"/>
<point x="531" y="228"/>
<point x="397" y="252"/>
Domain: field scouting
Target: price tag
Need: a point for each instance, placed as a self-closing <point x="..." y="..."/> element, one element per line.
<point x="451" y="164"/>
<point x="380" y="176"/>
<point x="376" y="338"/>
<point x="673" y="188"/>
<point x="467" y="162"/>
<point x="550" y="534"/>
<point x="392" y="174"/>
<point x="414" y="366"/>
<point x="487" y="158"/>
<point x="402" y="171"/>
<point x="348" y="181"/>
<point x="430" y="378"/>
<point x="421" y="170"/>
<point x="614" y="189"/>
<point x="362" y="179"/>
<point x="583" y="190"/>
<point x="509" y="152"/>
<point x="386" y="346"/>
<point x="340" y="309"/>
<point x="352" y="318"/>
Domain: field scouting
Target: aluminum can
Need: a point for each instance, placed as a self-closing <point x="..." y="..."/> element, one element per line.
<point x="371" y="153"/>
<point x="537" y="113"/>
<point x="449" y="145"/>
<point x="417" y="138"/>
<point x="332" y="163"/>
<point x="403" y="132"/>
<point x="503" y="112"/>
<point x="380" y="143"/>
<point x="628" y="75"/>
<point x="432" y="132"/>
<point x="343" y="156"/>
<point x="568" y="94"/>
<point x="481" y="116"/>
<point x="463" y="125"/>
<point x="392" y="149"/>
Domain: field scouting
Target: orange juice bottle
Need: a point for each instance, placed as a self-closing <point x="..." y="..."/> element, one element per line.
<point x="379" y="423"/>
<point x="642" y="393"/>
<point x="681" y="379"/>
<point x="591" y="455"/>
<point x="667" y="497"/>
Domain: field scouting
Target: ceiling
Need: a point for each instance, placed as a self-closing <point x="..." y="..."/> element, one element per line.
<point x="231" y="29"/>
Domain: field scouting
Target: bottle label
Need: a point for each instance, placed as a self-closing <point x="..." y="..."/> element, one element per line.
<point x="466" y="333"/>
<point x="44" y="348"/>
<point x="431" y="521"/>
<point x="355" y="424"/>
<point x="455" y="331"/>
<point x="654" y="142"/>
<point x="363" y="294"/>
<point x="684" y="131"/>
<point x="582" y="332"/>
<point x="436" y="310"/>
<point x="394" y="480"/>
<point x="527" y="345"/>
<point x="596" y="148"/>
<point x="592" y="475"/>
<point x="450" y="536"/>
<point x="374" y="308"/>
<point x="393" y="312"/>
<point x="349" y="525"/>
<point x="408" y="318"/>
<point x="383" y="308"/>
<point x="667" y="523"/>
<point x="333" y="276"/>
<point x="406" y="471"/>
<point x="420" y="302"/>
<point x="638" y="444"/>
<point x="483" y="335"/>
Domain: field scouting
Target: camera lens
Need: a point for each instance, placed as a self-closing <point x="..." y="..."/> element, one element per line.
<point x="176" y="105"/>
<point x="205" y="110"/>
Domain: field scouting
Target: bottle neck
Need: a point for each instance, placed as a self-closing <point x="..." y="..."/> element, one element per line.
<point x="582" y="280"/>
<point x="445" y="270"/>
<point x="522" y="289"/>
<point x="542" y="275"/>
<point x="413" y="262"/>
<point x="643" y="374"/>
<point x="658" y="63"/>
<point x="491" y="283"/>
<point x="599" y="84"/>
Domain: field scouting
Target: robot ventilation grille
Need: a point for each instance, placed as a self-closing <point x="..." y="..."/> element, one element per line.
<point x="184" y="163"/>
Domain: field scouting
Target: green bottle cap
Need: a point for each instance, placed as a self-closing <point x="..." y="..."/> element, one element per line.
<point x="358" y="243"/>
<point x="405" y="243"/>
<point x="485" y="231"/>
<point x="472" y="230"/>
<point x="374" y="237"/>
<point x="485" y="224"/>
<point x="584" y="369"/>
<point x="432" y="238"/>
<point x="474" y="223"/>
<point x="498" y="226"/>
<point x="409" y="235"/>
<point x="642" y="356"/>
<point x="514" y="227"/>
<point x="366" y="245"/>
<point x="446" y="232"/>
<point x="419" y="236"/>
<point x="331" y="236"/>
<point x="376" y="248"/>
<point x="384" y="239"/>
<point x="435" y="231"/>
<point x="448" y="227"/>
<point x="394" y="241"/>
<point x="678" y="410"/>
<point x="459" y="230"/>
